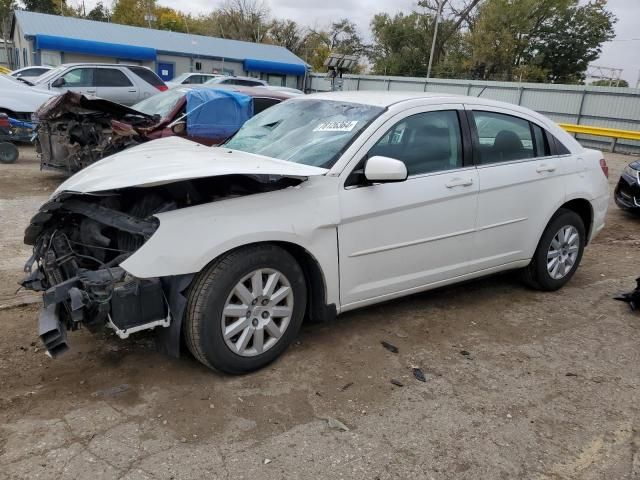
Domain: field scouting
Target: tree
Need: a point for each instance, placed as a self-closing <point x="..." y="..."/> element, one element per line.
<point x="571" y="40"/>
<point x="242" y="20"/>
<point x="503" y="31"/>
<point x="400" y="44"/>
<point x="550" y="40"/>
<point x="133" y="12"/>
<point x="170" y="19"/>
<point x="99" y="13"/>
<point x="610" y="83"/>
<point x="288" y="34"/>
<point x="6" y="11"/>
<point x="54" y="7"/>
<point x="458" y="16"/>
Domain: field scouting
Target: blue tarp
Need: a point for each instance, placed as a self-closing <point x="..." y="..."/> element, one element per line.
<point x="101" y="49"/>
<point x="296" y="69"/>
<point x="216" y="113"/>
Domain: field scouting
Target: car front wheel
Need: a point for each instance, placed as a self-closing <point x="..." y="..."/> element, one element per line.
<point x="559" y="252"/>
<point x="245" y="309"/>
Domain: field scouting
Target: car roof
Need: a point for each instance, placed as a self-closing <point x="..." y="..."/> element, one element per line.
<point x="386" y="99"/>
<point x="250" y="91"/>
<point x="100" y="64"/>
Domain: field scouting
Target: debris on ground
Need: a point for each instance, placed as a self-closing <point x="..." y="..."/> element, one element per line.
<point x="397" y="383"/>
<point x="632" y="297"/>
<point x="336" y="424"/>
<point x="571" y="374"/>
<point x="344" y="387"/>
<point x="419" y="374"/>
<point x="266" y="461"/>
<point x="392" y="348"/>
<point x="465" y="353"/>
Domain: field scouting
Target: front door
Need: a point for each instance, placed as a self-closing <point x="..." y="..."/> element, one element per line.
<point x="521" y="184"/>
<point x="395" y="238"/>
<point x="165" y="71"/>
<point x="79" y="80"/>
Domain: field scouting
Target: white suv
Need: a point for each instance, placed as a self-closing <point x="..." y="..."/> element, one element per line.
<point x="125" y="84"/>
<point x="317" y="206"/>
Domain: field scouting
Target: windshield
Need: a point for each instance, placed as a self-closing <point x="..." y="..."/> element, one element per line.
<point x="311" y="132"/>
<point x="50" y="74"/>
<point x="161" y="104"/>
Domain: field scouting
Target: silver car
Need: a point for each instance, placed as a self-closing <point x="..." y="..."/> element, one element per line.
<point x="125" y="84"/>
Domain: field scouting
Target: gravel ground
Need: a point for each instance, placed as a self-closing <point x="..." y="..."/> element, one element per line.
<point x="548" y="390"/>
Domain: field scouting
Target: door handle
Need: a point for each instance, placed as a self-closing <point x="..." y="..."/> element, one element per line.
<point x="459" y="182"/>
<point x="91" y="91"/>
<point x="132" y="91"/>
<point x="543" y="167"/>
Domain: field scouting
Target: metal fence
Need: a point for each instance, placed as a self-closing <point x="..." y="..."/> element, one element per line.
<point x="608" y="107"/>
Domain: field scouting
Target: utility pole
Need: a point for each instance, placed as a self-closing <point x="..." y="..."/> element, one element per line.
<point x="435" y="35"/>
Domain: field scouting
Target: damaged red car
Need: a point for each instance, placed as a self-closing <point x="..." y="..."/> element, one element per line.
<point x="75" y="131"/>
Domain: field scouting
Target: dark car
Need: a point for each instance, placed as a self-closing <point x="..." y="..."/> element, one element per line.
<point x="627" y="193"/>
<point x="75" y="131"/>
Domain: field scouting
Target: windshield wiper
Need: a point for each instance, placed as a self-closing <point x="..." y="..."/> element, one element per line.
<point x="26" y="81"/>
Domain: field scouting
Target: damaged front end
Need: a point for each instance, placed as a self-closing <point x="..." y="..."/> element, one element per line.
<point x="75" y="131"/>
<point x="80" y="241"/>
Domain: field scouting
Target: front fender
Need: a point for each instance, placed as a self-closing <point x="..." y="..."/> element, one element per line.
<point x="188" y="239"/>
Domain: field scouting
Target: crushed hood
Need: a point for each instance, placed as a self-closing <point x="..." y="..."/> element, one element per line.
<point x="71" y="102"/>
<point x="174" y="159"/>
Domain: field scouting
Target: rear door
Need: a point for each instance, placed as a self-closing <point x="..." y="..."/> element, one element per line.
<point x="521" y="185"/>
<point x="113" y="84"/>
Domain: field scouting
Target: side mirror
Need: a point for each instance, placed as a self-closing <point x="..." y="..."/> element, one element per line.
<point x="380" y="169"/>
<point x="58" y="82"/>
<point x="179" y="128"/>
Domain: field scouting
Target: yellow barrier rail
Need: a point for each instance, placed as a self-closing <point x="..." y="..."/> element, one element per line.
<point x="601" y="132"/>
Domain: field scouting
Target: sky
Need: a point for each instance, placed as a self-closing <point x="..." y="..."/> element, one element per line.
<point x="623" y="52"/>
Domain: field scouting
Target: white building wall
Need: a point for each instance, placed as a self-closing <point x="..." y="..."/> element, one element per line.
<point x="21" y="44"/>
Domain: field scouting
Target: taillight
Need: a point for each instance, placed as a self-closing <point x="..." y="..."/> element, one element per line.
<point x="604" y="167"/>
<point x="162" y="88"/>
<point x="4" y="120"/>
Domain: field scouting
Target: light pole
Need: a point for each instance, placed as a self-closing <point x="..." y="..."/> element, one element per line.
<point x="435" y="35"/>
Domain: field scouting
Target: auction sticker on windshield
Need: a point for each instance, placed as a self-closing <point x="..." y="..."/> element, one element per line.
<point x="336" y="126"/>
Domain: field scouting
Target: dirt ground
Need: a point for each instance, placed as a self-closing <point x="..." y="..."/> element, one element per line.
<point x="549" y="389"/>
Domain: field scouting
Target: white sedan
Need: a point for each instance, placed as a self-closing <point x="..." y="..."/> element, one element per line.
<point x="18" y="100"/>
<point x="317" y="206"/>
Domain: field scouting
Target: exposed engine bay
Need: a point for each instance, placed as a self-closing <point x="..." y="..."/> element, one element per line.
<point x="80" y="240"/>
<point x="75" y="131"/>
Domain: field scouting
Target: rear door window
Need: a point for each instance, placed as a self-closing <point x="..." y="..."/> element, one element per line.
<point x="503" y="138"/>
<point x="148" y="76"/>
<point x="111" y="77"/>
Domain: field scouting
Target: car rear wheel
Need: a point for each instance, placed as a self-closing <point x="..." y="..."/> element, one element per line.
<point x="245" y="309"/>
<point x="559" y="252"/>
<point x="8" y="152"/>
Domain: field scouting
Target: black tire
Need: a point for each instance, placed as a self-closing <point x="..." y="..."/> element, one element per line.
<point x="536" y="274"/>
<point x="8" y="152"/>
<point x="209" y="293"/>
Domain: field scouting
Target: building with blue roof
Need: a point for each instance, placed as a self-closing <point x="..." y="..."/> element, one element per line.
<point x="41" y="39"/>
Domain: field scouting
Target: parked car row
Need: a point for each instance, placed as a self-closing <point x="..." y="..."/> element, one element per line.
<point x="120" y="83"/>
